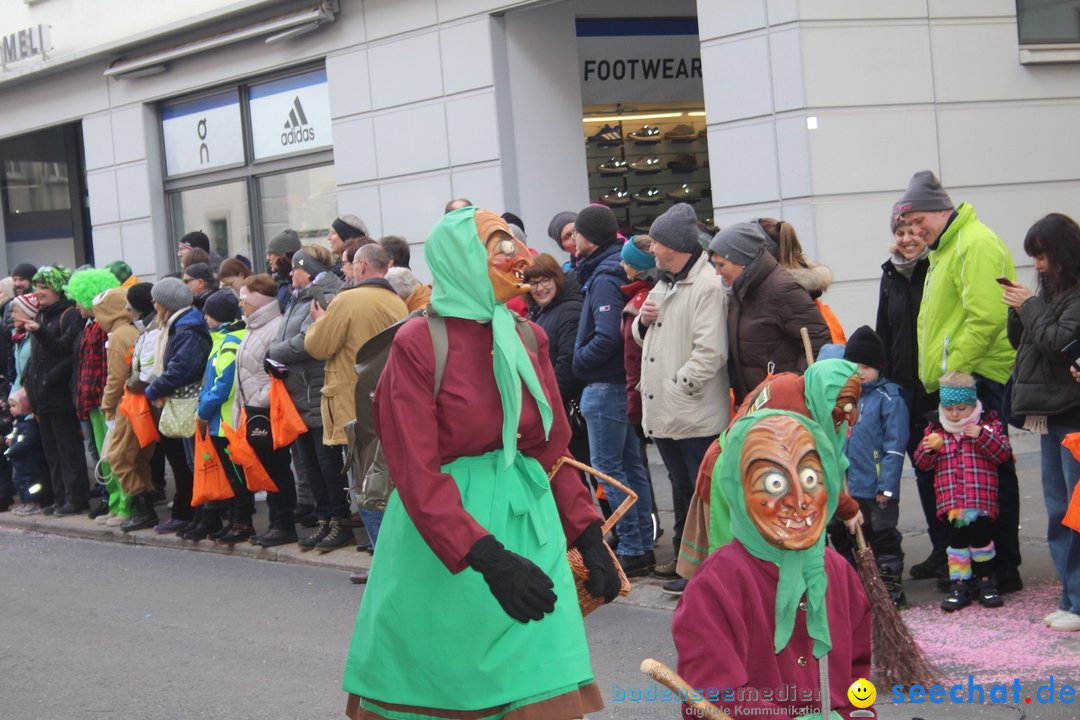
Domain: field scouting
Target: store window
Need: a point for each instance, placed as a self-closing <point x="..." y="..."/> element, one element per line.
<point x="246" y="162"/>
<point x="1048" y="21"/>
<point x="643" y="117"/>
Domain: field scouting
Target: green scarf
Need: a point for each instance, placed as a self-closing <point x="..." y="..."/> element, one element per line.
<point x="801" y="571"/>
<point x="461" y="288"/>
<point x="823" y="382"/>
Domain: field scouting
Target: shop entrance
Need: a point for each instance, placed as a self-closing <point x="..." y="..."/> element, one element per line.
<point x="45" y="216"/>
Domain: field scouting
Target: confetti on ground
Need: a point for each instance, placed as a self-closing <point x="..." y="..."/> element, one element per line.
<point x="998" y="645"/>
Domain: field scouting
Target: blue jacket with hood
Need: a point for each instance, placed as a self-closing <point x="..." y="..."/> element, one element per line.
<point x="186" y="352"/>
<point x="878" y="441"/>
<point x="598" y="349"/>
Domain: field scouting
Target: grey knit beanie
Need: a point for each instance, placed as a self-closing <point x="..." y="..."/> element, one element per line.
<point x="677" y="228"/>
<point x="308" y="263"/>
<point x="284" y="243"/>
<point x="924" y="192"/>
<point x="171" y="294"/>
<point x="739" y="243"/>
<point x="895" y="221"/>
<point x="558" y="223"/>
<point x="598" y="224"/>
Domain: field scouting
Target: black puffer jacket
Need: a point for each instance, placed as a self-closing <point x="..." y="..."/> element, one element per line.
<point x="1042" y="383"/>
<point x="899" y="299"/>
<point x="560" y="318"/>
<point x="52" y="347"/>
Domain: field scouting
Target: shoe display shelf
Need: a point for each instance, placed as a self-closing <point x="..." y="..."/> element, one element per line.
<point x="641" y="168"/>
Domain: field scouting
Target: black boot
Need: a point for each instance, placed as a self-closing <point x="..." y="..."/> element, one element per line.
<point x="209" y="521"/>
<point x="959" y="596"/>
<point x="196" y="528"/>
<point x="142" y="513"/>
<point x="892" y="580"/>
<point x="929" y="567"/>
<point x="321" y="531"/>
<point x="339" y="534"/>
<point x="986" y="589"/>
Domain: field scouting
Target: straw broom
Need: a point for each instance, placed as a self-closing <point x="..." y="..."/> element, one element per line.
<point x="897" y="657"/>
<point x="670" y="679"/>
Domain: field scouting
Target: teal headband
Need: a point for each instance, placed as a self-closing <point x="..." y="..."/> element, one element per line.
<point x="635" y="257"/>
<point x="952" y="395"/>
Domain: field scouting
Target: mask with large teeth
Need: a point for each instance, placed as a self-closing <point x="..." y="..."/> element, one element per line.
<point x="507" y="256"/>
<point x="784" y="483"/>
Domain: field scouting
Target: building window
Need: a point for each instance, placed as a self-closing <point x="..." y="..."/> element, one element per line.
<point x="1044" y="22"/>
<point x="245" y="162"/>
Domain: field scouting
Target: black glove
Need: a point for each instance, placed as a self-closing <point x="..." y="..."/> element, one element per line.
<point x="276" y="369"/>
<point x="604" y="578"/>
<point x="523" y="590"/>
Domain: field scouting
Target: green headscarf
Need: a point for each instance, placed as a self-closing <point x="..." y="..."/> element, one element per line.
<point x="461" y="288"/>
<point x="54" y="277"/>
<point x="823" y="382"/>
<point x="801" y="571"/>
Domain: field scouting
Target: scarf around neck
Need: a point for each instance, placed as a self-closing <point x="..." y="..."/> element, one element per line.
<point x="957" y="428"/>
<point x="907" y="267"/>
<point x="801" y="571"/>
<point x="461" y="288"/>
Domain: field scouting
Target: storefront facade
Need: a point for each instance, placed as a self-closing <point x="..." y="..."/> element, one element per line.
<point x="245" y="119"/>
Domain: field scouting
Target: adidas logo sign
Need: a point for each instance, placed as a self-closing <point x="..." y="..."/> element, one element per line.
<point x="296" y="127"/>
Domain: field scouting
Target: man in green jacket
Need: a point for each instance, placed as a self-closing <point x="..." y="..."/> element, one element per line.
<point x="962" y="325"/>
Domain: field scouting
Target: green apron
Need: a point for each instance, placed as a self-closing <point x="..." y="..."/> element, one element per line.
<point x="430" y="638"/>
<point x="119" y="503"/>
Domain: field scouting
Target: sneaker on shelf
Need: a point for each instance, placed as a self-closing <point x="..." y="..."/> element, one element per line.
<point x="684" y="193"/>
<point x="674" y="587"/>
<point x="607" y="135"/>
<point x="647" y="165"/>
<point x="644" y="225"/>
<point x="615" y="197"/>
<point x="647" y="134"/>
<point x="683" y="162"/>
<point x="612" y="166"/>
<point x="649" y="196"/>
<point x="703" y="133"/>
<point x="682" y="132"/>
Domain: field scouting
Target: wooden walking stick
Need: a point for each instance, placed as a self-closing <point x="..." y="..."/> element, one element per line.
<point x="670" y="679"/>
<point x="898" y="659"/>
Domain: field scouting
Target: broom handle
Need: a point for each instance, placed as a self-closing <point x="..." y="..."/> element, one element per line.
<point x="860" y="539"/>
<point x="807" y="347"/>
<point x="616" y="515"/>
<point x="670" y="679"/>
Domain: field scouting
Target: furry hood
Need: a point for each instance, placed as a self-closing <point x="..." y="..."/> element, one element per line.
<point x="814" y="279"/>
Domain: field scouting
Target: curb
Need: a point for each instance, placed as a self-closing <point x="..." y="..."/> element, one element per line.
<point x="82" y="527"/>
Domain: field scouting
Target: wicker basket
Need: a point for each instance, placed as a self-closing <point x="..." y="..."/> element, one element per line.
<point x="587" y="601"/>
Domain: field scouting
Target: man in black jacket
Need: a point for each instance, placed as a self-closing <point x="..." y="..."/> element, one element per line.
<point x="48" y="385"/>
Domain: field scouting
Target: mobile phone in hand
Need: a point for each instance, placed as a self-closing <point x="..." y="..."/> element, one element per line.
<point x="1072" y="351"/>
<point x="1005" y="281"/>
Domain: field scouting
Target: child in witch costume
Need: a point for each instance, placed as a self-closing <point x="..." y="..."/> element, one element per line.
<point x="964" y="448"/>
<point x="470" y="609"/>
<point x="774" y="614"/>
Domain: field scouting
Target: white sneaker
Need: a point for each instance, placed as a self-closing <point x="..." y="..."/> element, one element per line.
<point x="116" y="520"/>
<point x="103" y="519"/>
<point x="1069" y="623"/>
<point x="29" y="509"/>
<point x="1049" y="619"/>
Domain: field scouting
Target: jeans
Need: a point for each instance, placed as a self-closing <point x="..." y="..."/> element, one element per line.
<point x="614" y="450"/>
<point x="682" y="458"/>
<point x="1060" y="471"/>
<point x="1007" y="525"/>
<point x="372" y="520"/>
<point x="321" y="466"/>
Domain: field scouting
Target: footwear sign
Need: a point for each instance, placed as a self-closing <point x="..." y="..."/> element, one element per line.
<point x="623" y="60"/>
<point x="290" y="115"/>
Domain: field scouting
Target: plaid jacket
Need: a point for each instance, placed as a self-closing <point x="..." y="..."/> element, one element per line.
<point x="93" y="369"/>
<point x="965" y="470"/>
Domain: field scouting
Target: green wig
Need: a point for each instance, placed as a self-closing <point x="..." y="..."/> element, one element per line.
<point x="54" y="277"/>
<point x="85" y="285"/>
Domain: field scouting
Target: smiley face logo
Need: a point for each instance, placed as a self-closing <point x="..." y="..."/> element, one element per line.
<point x="862" y="693"/>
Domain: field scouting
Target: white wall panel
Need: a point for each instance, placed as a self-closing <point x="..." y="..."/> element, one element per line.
<point x="788" y="85"/>
<point x="736" y="79"/>
<point x="853" y="233"/>
<point x="992" y="72"/>
<point x="133" y="191"/>
<point x="867" y="150"/>
<point x="59" y="98"/>
<point x="483" y="185"/>
<point x="97" y="141"/>
<point x="347" y="76"/>
<point x="472" y="129"/>
<point x="362" y="201"/>
<point x="860" y="9"/>
<point x="781" y="11"/>
<point x="390" y="17"/>
<point x="101" y="188"/>
<point x="139" y="248"/>
<point x="793" y="151"/>
<point x="129" y="135"/>
<point x="720" y="19"/>
<point x="455" y="9"/>
<point x="995" y="145"/>
<point x="354" y="151"/>
<point x="108" y="245"/>
<point x="854" y="302"/>
<point x="411" y="141"/>
<point x="971" y="8"/>
<point x="867" y="65"/>
<point x="743" y="162"/>
<point x="403" y="71"/>
<point x="410" y="208"/>
<point x="723" y="217"/>
<point x="466" y="56"/>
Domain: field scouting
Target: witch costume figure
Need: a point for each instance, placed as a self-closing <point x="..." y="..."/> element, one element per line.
<point x="773" y="616"/>
<point x="470" y="610"/>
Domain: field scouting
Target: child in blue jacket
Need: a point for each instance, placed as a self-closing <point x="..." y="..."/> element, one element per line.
<point x="875" y="448"/>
